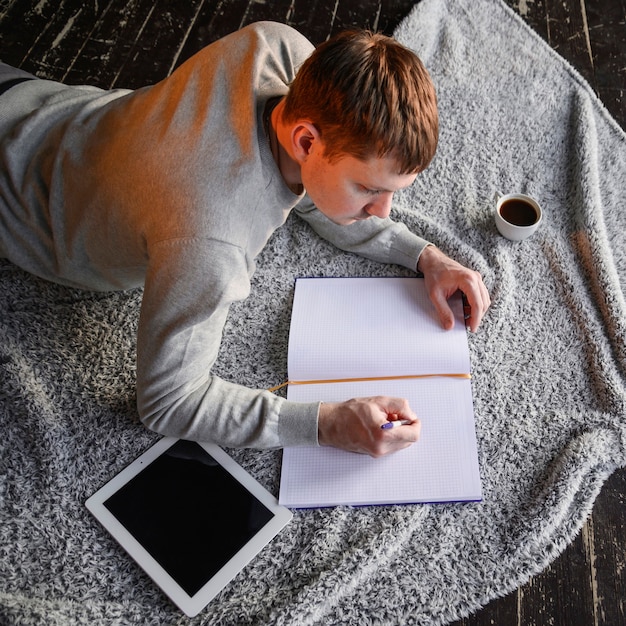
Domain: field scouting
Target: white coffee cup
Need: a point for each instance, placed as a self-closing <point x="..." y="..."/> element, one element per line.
<point x="517" y="216"/>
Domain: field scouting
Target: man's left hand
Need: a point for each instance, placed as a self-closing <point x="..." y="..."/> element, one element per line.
<point x="443" y="277"/>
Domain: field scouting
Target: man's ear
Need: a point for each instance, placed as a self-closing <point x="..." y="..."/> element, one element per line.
<point x="305" y="137"/>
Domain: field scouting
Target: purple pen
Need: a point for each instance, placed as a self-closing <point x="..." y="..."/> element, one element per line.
<point x="396" y="423"/>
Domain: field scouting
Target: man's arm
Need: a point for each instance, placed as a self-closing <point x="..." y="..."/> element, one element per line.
<point x="386" y="241"/>
<point x="381" y="240"/>
<point x="188" y="289"/>
<point x="190" y="285"/>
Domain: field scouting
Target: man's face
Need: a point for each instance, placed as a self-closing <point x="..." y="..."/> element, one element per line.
<point x="349" y="189"/>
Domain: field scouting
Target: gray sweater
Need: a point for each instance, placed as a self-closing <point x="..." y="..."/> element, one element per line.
<point x="172" y="187"/>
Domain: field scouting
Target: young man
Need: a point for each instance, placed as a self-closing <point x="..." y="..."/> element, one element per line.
<point x="178" y="186"/>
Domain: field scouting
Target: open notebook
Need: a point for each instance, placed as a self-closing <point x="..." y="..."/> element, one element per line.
<point x="345" y="328"/>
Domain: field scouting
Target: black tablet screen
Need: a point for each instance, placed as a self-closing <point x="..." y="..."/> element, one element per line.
<point x="189" y="513"/>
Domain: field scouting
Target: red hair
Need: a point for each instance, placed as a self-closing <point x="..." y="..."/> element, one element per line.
<point x="368" y="96"/>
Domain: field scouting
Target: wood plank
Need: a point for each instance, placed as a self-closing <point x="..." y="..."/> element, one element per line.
<point x="278" y="11"/>
<point x="533" y="12"/>
<point x="108" y="43"/>
<point x="500" y="612"/>
<point x="393" y="13"/>
<point x="562" y="595"/>
<point x="608" y="551"/>
<point x="5" y="7"/>
<point x="607" y="36"/>
<point x="167" y="22"/>
<point x="23" y="23"/>
<point x="362" y="14"/>
<point x="62" y="39"/>
<point x="376" y="15"/>
<point x="568" y="35"/>
<point x="591" y="36"/>
<point x="176" y="22"/>
<point x="315" y="20"/>
<point x="216" y="19"/>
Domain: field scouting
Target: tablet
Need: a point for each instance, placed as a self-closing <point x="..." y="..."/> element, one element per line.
<point x="190" y="516"/>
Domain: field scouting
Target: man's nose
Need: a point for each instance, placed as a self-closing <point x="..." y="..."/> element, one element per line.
<point x="381" y="207"/>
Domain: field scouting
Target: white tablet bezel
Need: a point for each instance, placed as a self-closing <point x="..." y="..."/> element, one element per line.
<point x="190" y="605"/>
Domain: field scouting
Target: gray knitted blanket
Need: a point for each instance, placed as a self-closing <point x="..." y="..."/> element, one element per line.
<point x="548" y="373"/>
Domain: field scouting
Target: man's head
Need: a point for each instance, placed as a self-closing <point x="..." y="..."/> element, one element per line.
<point x="368" y="97"/>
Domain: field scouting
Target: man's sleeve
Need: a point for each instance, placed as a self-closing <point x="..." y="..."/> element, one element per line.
<point x="189" y="287"/>
<point x="381" y="240"/>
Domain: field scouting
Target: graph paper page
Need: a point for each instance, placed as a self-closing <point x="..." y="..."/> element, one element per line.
<point x="367" y="327"/>
<point x="443" y="465"/>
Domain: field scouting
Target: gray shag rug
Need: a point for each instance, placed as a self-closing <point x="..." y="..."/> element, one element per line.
<point x="548" y="373"/>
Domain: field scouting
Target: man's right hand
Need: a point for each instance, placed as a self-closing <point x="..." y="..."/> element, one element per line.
<point x="355" y="425"/>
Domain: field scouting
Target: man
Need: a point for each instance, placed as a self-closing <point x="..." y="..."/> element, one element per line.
<point x="178" y="186"/>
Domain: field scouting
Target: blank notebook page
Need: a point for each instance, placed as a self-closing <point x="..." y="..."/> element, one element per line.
<point x="345" y="328"/>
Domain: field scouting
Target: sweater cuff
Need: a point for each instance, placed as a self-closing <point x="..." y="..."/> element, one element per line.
<point x="406" y="249"/>
<point x="297" y="424"/>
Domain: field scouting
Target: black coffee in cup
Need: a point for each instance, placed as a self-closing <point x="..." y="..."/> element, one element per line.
<point x="518" y="212"/>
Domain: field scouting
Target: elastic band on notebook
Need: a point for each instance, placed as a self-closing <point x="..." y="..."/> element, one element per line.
<point x="362" y="380"/>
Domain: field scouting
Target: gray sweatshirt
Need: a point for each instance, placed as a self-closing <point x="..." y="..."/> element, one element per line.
<point x="172" y="187"/>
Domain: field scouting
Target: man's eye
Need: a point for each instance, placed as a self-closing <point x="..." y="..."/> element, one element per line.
<point x="370" y="192"/>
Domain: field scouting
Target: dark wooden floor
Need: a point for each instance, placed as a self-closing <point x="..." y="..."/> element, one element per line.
<point x="129" y="43"/>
